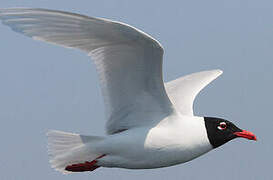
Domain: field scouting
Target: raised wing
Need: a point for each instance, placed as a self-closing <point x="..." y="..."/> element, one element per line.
<point x="128" y="61"/>
<point x="182" y="91"/>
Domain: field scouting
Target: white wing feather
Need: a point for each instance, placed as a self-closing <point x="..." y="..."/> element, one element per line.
<point x="129" y="62"/>
<point x="182" y="91"/>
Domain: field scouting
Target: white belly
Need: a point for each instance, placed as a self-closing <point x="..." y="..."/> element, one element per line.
<point x="155" y="147"/>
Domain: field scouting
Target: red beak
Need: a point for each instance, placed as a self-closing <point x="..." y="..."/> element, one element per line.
<point x="246" y="134"/>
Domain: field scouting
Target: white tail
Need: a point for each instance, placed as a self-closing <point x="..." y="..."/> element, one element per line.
<point x="68" y="148"/>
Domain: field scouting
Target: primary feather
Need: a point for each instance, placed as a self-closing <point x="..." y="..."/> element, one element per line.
<point x="128" y="61"/>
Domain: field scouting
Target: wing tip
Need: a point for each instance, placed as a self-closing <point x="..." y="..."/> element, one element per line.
<point x="218" y="71"/>
<point x="214" y="72"/>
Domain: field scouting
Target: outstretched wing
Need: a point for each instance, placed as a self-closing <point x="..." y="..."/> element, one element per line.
<point x="182" y="91"/>
<point x="128" y="61"/>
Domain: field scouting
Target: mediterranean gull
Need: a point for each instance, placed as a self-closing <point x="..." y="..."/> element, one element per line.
<point x="150" y="124"/>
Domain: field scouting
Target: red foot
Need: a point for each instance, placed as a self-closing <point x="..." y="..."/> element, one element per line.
<point x="81" y="167"/>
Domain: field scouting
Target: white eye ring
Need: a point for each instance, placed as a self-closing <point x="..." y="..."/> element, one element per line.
<point x="222" y="126"/>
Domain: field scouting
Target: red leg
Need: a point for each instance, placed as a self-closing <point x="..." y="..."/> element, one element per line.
<point x="86" y="166"/>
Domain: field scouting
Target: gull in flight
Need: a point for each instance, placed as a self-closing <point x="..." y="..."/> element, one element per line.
<point x="150" y="124"/>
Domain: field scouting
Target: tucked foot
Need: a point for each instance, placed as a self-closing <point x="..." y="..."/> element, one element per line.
<point x="81" y="167"/>
<point x="86" y="166"/>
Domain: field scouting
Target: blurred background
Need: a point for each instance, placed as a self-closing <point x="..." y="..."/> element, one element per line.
<point x="44" y="87"/>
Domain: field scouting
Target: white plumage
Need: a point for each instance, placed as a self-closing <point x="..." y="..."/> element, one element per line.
<point x="129" y="64"/>
<point x="182" y="91"/>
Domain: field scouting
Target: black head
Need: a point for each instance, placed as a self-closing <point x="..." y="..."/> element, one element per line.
<point x="220" y="131"/>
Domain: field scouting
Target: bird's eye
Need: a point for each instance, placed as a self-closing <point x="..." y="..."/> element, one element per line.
<point x="222" y="126"/>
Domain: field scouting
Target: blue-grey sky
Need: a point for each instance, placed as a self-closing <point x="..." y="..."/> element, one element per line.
<point x="48" y="87"/>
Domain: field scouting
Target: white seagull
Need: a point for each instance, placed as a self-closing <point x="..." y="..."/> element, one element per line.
<point x="150" y="124"/>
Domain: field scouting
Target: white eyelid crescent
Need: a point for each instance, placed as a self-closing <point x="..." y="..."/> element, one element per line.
<point x="222" y="123"/>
